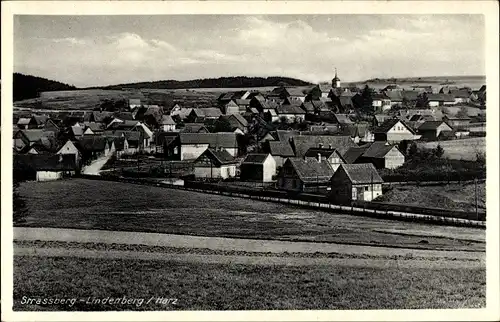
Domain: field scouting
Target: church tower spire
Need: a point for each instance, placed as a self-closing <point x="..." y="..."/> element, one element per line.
<point x="336" y="80"/>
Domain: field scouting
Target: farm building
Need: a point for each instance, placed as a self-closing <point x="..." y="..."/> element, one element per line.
<point x="431" y="130"/>
<point x="44" y="167"/>
<point x="23" y="138"/>
<point x="380" y="154"/>
<point x="70" y="148"/>
<point x="355" y="182"/>
<point x="189" y="146"/>
<point x="231" y="108"/>
<point x="302" y="143"/>
<point x="280" y="151"/>
<point x="440" y="100"/>
<point x="194" y="128"/>
<point x="331" y="156"/>
<point x="93" y="147"/>
<point x="394" y="131"/>
<point x="167" y="123"/>
<point x="457" y="121"/>
<point x="23" y="123"/>
<point x="201" y="114"/>
<point x="180" y="112"/>
<point x="301" y="175"/>
<point x="215" y="163"/>
<point x="258" y="167"/>
<point x="292" y="113"/>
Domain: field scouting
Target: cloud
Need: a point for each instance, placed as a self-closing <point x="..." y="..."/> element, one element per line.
<point x="305" y="47"/>
<point x="71" y="40"/>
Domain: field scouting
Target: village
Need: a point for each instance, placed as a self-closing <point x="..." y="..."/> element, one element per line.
<point x="325" y="139"/>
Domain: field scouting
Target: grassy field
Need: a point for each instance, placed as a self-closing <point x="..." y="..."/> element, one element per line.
<point x="465" y="149"/>
<point x="89" y="204"/>
<point x="241" y="287"/>
<point x="451" y="196"/>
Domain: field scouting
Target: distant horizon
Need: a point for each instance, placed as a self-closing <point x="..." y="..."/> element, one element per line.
<point x="95" y="51"/>
<point x="321" y="82"/>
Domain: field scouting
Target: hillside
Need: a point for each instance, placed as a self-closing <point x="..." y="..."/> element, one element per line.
<point x="222" y="82"/>
<point x="27" y="86"/>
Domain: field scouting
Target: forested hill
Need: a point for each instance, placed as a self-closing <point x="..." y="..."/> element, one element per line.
<point x="27" y="86"/>
<point x="222" y="82"/>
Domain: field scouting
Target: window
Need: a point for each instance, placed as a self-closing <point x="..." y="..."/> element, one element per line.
<point x="366" y="188"/>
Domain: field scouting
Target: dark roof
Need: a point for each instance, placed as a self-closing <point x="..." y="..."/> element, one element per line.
<point x="308" y="107"/>
<point x="440" y="97"/>
<point x="325" y="153"/>
<point x="303" y="143"/>
<point x="285" y="136"/>
<point x="280" y="148"/>
<point x="207" y="112"/>
<point x="255" y="158"/>
<point x="295" y="91"/>
<point x="361" y="173"/>
<point x="219" y="157"/>
<point x="460" y="93"/>
<point x="95" y="127"/>
<point x="165" y="138"/>
<point x="118" y="141"/>
<point x="167" y="120"/>
<point x="124" y="116"/>
<point x="394" y="96"/>
<point x="40" y="119"/>
<point x="310" y="170"/>
<point x="343" y="118"/>
<point x="101" y="117"/>
<point x="430" y="125"/>
<point x="240" y="119"/>
<point x="47" y="162"/>
<point x="353" y="154"/>
<point x="378" y="150"/>
<point x="220" y="139"/>
<point x="290" y="109"/>
<point x="410" y="95"/>
<point x="92" y="143"/>
<point x="388" y="124"/>
<point x="33" y="135"/>
<point x="242" y="102"/>
<point x="194" y="128"/>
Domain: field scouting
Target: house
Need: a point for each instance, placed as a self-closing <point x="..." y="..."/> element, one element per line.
<point x="224" y="98"/>
<point x="457" y="121"/>
<point x="381" y="102"/>
<point x="215" y="163"/>
<point x="44" y="167"/>
<point x="180" y="112"/>
<point x="92" y="128"/>
<point x="101" y="117"/>
<point x="134" y="103"/>
<point x="231" y="108"/>
<point x="394" y="131"/>
<point x="194" y="128"/>
<point x="189" y="146"/>
<point x="331" y="156"/>
<point x="262" y="105"/>
<point x="201" y="114"/>
<point x="302" y="143"/>
<point x="243" y="104"/>
<point x="132" y="139"/>
<point x="76" y="131"/>
<point x="135" y="126"/>
<point x="167" y="123"/>
<point x="279" y="150"/>
<point x="23" y="138"/>
<point x="304" y="175"/>
<point x="291" y="113"/>
<point x="70" y="148"/>
<point x="23" y="123"/>
<point x="38" y="121"/>
<point x="378" y="119"/>
<point x="308" y="107"/>
<point x="235" y="121"/>
<point x="353" y="182"/>
<point x="440" y="99"/>
<point x="93" y="147"/>
<point x="380" y="154"/>
<point x="324" y="128"/>
<point x="258" y="167"/>
<point x="431" y="130"/>
<point x="395" y="97"/>
<point x="342" y="119"/>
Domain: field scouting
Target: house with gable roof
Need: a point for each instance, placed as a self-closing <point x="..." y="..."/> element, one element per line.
<point x="353" y="182"/>
<point x="304" y="175"/>
<point x="258" y="167"/>
<point x="215" y="164"/>
<point x="394" y="131"/>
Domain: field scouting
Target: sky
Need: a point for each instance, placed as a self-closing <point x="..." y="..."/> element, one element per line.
<point x="104" y="50"/>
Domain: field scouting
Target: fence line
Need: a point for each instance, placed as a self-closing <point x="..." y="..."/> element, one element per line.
<point x="310" y="204"/>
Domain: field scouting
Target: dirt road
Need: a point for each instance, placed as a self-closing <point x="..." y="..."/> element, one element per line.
<point x="229" y="244"/>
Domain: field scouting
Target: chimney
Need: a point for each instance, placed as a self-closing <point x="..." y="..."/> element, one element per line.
<point x="319" y="157"/>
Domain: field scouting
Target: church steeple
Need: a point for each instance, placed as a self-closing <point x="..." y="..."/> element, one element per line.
<point x="336" y="80"/>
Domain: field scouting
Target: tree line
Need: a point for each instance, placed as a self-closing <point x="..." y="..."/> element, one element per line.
<point x="27" y="86"/>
